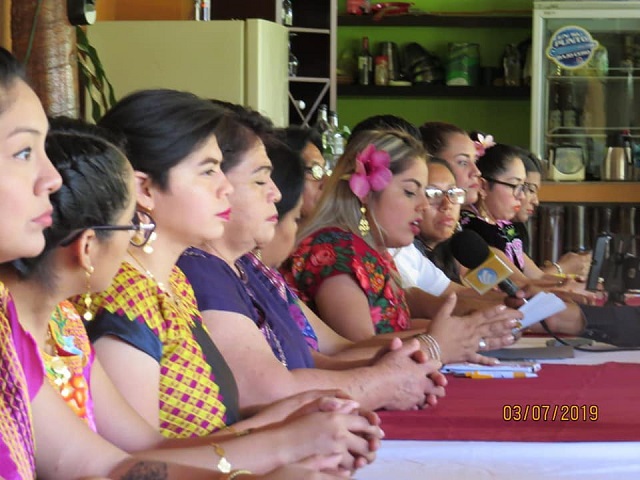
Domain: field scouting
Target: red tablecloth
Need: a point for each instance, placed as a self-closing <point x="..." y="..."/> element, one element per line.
<point x="495" y="409"/>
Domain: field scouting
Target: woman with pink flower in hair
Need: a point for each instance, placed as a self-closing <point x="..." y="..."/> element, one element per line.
<point x="248" y="316"/>
<point x="373" y="200"/>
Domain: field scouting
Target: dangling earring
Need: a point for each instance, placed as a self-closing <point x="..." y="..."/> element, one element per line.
<point x="88" y="316"/>
<point x="148" y="247"/>
<point x="363" y="226"/>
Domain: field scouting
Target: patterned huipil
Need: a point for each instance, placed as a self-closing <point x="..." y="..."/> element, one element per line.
<point x="333" y="251"/>
<point x="21" y="376"/>
<point x="502" y="236"/>
<point x="197" y="392"/>
<point x="68" y="368"/>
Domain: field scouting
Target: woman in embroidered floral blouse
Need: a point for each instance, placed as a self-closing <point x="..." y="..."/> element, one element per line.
<point x="274" y="360"/>
<point x="374" y="200"/>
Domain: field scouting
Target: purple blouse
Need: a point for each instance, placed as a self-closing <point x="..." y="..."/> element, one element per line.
<point x="217" y="287"/>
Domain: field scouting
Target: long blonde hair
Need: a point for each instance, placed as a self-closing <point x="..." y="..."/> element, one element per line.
<point x="338" y="206"/>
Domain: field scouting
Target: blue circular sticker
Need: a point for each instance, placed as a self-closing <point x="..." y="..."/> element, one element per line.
<point x="571" y="47"/>
<point x="487" y="276"/>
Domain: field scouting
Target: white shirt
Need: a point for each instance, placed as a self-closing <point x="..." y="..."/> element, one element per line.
<point x="416" y="270"/>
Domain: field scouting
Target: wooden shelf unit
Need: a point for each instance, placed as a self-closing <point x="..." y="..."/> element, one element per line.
<point x="426" y="90"/>
<point x="436" y="20"/>
<point x="590" y="192"/>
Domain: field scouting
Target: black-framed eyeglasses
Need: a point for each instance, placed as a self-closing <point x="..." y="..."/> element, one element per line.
<point x="142" y="226"/>
<point x="531" y="188"/>
<point x="456" y="195"/>
<point x="318" y="172"/>
<point x="518" y="189"/>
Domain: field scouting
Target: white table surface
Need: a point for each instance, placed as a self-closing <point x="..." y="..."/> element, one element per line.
<point x="462" y="460"/>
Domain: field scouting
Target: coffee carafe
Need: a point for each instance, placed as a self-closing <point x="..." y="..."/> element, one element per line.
<point x="618" y="163"/>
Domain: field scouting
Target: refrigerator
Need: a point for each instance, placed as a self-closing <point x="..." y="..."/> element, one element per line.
<point x="239" y="61"/>
<point x="585" y="88"/>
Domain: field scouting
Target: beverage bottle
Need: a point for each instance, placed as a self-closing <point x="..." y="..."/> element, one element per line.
<point x="511" y="65"/>
<point x="555" y="112"/>
<point x="337" y="140"/>
<point x="322" y="126"/>
<point x="569" y="110"/>
<point x="287" y="13"/>
<point x="365" y="63"/>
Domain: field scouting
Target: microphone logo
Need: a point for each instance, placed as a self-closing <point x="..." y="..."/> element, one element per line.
<point x="487" y="276"/>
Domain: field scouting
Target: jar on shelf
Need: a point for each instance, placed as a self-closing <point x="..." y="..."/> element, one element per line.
<point x="381" y="75"/>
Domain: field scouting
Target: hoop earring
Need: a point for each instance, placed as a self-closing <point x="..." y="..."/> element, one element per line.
<point x="363" y="226"/>
<point x="148" y="247"/>
<point x="87" y="300"/>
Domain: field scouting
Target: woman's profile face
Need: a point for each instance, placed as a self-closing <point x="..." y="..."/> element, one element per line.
<point x="27" y="176"/>
<point x="499" y="199"/>
<point x="439" y="222"/>
<point x="530" y="201"/>
<point x="253" y="201"/>
<point x="194" y="207"/>
<point x="460" y="154"/>
<point x="312" y="187"/>
<point x="398" y="209"/>
<point x="284" y="239"/>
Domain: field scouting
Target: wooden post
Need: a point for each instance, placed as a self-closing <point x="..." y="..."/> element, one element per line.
<point x="5" y="24"/>
<point x="52" y="67"/>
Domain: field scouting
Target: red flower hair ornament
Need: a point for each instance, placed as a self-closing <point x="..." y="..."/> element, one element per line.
<point x="372" y="172"/>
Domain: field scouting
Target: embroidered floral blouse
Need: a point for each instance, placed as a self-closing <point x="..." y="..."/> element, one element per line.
<point x="502" y="236"/>
<point x="333" y="251"/>
<point x="69" y="368"/>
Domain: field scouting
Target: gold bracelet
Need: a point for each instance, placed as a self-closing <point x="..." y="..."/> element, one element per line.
<point x="237" y="433"/>
<point x="237" y="473"/>
<point x="223" y="464"/>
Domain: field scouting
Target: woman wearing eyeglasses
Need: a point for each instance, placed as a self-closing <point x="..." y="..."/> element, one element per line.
<point x="39" y="435"/>
<point x="89" y="234"/>
<point x="307" y="142"/>
<point x="570" y="263"/>
<point x="504" y="189"/>
<point x="440" y="221"/>
<point x="147" y="328"/>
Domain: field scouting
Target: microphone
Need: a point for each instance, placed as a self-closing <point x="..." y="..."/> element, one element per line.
<point x="486" y="270"/>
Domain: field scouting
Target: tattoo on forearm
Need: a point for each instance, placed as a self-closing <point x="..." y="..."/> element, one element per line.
<point x="147" y="471"/>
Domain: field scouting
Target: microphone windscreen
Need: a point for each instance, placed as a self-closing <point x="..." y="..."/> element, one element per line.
<point x="469" y="248"/>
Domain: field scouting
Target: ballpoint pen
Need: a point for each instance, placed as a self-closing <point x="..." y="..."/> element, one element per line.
<point x="485" y="375"/>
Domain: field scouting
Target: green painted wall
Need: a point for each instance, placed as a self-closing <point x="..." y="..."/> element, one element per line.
<point x="507" y="120"/>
